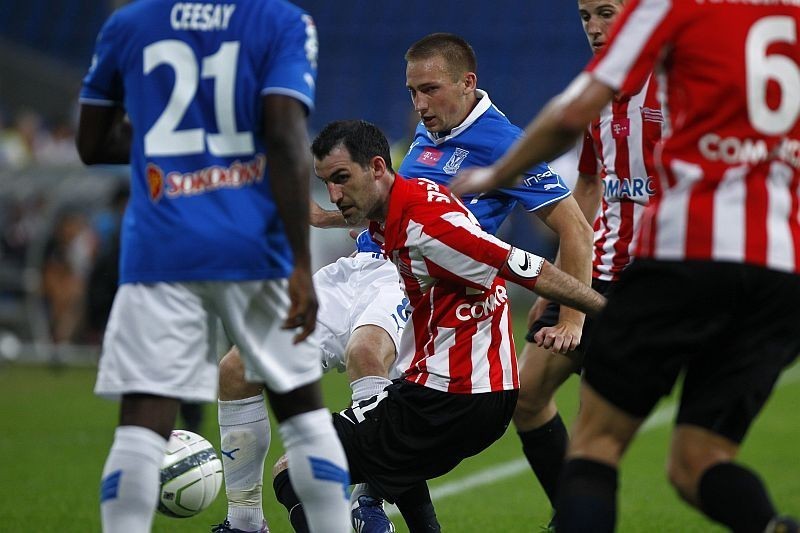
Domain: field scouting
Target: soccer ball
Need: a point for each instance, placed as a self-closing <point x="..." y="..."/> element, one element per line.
<point x="191" y="475"/>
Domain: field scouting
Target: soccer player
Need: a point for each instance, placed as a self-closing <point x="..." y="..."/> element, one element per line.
<point x="713" y="292"/>
<point x="360" y="318"/>
<point x="217" y="222"/>
<point x="459" y="377"/>
<point x="460" y="127"/>
<point x="615" y="181"/>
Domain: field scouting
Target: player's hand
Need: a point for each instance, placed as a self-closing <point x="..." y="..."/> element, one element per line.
<point x="303" y="304"/>
<point x="537" y="310"/>
<point x="474" y="180"/>
<point x="561" y="338"/>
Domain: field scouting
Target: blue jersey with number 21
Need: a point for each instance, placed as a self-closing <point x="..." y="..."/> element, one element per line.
<point x="190" y="76"/>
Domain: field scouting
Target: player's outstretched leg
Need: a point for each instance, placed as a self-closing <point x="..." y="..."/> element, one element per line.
<point x="244" y="441"/>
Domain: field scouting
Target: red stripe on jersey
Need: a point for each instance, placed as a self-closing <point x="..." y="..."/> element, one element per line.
<point x="461" y="359"/>
<point x="755" y="235"/>
<point x="700" y="223"/>
<point x="622" y="256"/>
<point x="493" y="354"/>
<point x="587" y="162"/>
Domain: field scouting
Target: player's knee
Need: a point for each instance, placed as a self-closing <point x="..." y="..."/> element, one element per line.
<point x="531" y="406"/>
<point x="280" y="465"/>
<point x="232" y="384"/>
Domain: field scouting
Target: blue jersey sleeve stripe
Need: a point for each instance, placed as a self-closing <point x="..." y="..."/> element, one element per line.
<point x="309" y="103"/>
<point x="550" y="201"/>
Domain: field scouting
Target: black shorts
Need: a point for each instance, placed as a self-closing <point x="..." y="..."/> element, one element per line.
<point x="551" y="313"/>
<point x="410" y="433"/>
<point x="731" y="328"/>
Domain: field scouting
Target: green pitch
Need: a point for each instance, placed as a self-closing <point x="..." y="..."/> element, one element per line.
<point x="54" y="436"/>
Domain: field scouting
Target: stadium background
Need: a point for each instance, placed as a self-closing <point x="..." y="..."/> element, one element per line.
<point x="58" y="223"/>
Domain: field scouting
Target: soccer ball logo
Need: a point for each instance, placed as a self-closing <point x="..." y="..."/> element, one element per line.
<point x="191" y="475"/>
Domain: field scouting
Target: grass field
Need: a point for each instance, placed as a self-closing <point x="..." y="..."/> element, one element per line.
<point x="54" y="436"/>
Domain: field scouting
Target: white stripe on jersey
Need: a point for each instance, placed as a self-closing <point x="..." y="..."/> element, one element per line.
<point x="423" y="246"/>
<point x="674" y="210"/>
<point x="618" y="62"/>
<point x="729" y="216"/>
<point x="779" y="237"/>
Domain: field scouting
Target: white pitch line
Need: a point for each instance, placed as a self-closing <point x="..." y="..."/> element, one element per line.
<point x="507" y="469"/>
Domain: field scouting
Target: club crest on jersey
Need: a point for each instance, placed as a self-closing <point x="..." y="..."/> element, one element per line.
<point x="453" y="164"/>
<point x="430" y="156"/>
<point x="620" y="127"/>
<point x="155" y="181"/>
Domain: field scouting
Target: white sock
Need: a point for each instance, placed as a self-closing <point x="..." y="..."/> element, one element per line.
<point x="368" y="386"/>
<point x="244" y="441"/>
<point x="130" y="485"/>
<point x="318" y="470"/>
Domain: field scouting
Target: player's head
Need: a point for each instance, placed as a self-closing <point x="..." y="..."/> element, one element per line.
<point x="440" y="75"/>
<point x="352" y="158"/>
<point x="598" y="16"/>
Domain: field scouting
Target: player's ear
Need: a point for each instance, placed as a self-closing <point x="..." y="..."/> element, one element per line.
<point x="470" y="82"/>
<point x="378" y="166"/>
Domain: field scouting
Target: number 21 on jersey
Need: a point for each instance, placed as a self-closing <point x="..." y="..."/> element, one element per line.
<point x="164" y="138"/>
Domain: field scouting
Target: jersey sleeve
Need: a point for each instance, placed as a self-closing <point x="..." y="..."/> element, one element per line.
<point x="102" y="85"/>
<point x="587" y="161"/>
<point x="635" y="46"/>
<point x="540" y="186"/>
<point x="293" y="69"/>
<point x="453" y="245"/>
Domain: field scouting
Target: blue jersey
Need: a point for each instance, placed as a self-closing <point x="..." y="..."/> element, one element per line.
<point x="481" y="140"/>
<point x="191" y="76"/>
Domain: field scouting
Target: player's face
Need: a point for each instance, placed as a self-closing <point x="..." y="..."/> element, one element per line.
<point x="598" y="16"/>
<point x="441" y="101"/>
<point x="351" y="187"/>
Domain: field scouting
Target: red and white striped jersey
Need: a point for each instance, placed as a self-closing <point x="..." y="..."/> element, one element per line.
<point x="619" y="146"/>
<point x="729" y="170"/>
<point x="458" y="338"/>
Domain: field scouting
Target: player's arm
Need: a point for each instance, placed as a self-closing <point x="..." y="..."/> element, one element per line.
<point x="545" y="279"/>
<point x="286" y="139"/>
<point x="104" y="135"/>
<point x="574" y="258"/>
<point x="324" y="218"/>
<point x="551" y="133"/>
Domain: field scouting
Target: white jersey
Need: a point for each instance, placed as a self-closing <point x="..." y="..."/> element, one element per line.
<point x="353" y="292"/>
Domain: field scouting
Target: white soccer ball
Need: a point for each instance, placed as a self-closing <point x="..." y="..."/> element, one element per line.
<point x="191" y="475"/>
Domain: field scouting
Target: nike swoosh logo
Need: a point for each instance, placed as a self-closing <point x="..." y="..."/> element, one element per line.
<point x="525" y="264"/>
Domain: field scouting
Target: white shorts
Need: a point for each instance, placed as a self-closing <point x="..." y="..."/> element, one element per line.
<point x="161" y="339"/>
<point x="354" y="292"/>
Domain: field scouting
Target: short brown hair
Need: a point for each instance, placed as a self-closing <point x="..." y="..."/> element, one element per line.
<point x="457" y="53"/>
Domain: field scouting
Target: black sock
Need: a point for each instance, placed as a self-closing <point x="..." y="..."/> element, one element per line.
<point x="587" y="498"/>
<point x="545" y="448"/>
<point x="285" y="494"/>
<point x="735" y="497"/>
<point x="417" y="509"/>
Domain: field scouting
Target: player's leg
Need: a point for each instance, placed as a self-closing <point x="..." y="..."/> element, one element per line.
<point x="291" y="374"/>
<point x="539" y="426"/>
<point x="244" y="442"/>
<point x="156" y="350"/>
<point x="588" y="485"/>
<point x="725" y="389"/>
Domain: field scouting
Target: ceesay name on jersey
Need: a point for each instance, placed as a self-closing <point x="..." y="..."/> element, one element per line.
<point x="198" y="16"/>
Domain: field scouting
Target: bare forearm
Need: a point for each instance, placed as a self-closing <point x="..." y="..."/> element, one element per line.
<point x="588" y="192"/>
<point x="289" y="166"/>
<point x="558" y="286"/>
